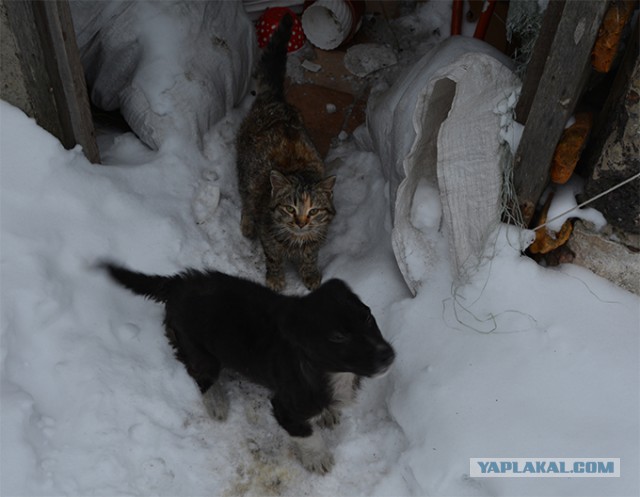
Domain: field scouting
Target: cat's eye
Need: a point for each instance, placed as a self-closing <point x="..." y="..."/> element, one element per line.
<point x="290" y="209"/>
<point x="314" y="211"/>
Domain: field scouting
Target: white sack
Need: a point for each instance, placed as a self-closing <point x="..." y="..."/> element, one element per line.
<point x="171" y="67"/>
<point x="437" y="129"/>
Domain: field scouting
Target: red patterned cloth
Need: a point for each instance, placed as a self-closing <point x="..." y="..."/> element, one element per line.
<point x="269" y="21"/>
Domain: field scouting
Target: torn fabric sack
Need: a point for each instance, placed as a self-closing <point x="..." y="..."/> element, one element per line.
<point x="437" y="132"/>
<point x="170" y="67"/>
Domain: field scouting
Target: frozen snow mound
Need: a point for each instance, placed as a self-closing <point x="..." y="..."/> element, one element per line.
<point x="437" y="131"/>
<point x="171" y="68"/>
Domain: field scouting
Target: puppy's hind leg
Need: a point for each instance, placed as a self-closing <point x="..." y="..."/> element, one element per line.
<point x="214" y="396"/>
<point x="204" y="368"/>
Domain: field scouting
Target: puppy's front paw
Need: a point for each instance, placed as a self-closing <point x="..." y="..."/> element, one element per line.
<point x="320" y="463"/>
<point x="329" y="418"/>
<point x="313" y="454"/>
<point x="216" y="402"/>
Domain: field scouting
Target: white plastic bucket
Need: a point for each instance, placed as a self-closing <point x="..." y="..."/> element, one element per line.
<point x="327" y="23"/>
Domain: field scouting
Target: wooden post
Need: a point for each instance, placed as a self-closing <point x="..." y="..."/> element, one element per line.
<point x="536" y="64"/>
<point x="564" y="76"/>
<point x="54" y="78"/>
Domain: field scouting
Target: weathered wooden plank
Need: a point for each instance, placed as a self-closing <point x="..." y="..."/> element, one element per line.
<point x="67" y="74"/>
<point x="539" y="56"/>
<point x="561" y="84"/>
<point x="12" y="87"/>
<point x="37" y="83"/>
<point x="53" y="74"/>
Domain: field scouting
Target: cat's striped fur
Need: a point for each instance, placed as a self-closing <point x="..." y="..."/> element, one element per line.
<point x="287" y="203"/>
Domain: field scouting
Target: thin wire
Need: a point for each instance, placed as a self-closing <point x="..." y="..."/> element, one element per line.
<point x="587" y="202"/>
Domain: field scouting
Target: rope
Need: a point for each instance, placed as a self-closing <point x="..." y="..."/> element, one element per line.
<point x="587" y="202"/>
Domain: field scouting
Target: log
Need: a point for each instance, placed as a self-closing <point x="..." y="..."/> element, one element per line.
<point x="610" y="34"/>
<point x="572" y="143"/>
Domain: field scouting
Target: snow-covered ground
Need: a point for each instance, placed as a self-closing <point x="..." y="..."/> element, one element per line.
<point x="521" y="361"/>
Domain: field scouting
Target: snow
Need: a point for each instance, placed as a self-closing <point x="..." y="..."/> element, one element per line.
<point x="168" y="67"/>
<point x="517" y="361"/>
<point x="426" y="211"/>
<point x="564" y="205"/>
<point x="521" y="361"/>
<point x="366" y="58"/>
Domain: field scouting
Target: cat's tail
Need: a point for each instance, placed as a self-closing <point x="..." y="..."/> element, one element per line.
<point x="154" y="287"/>
<point x="272" y="66"/>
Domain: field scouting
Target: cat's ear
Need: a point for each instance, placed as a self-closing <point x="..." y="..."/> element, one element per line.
<point x="278" y="181"/>
<point x="326" y="184"/>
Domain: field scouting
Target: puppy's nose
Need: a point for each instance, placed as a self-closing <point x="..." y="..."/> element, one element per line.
<point x="384" y="358"/>
<point x="386" y="354"/>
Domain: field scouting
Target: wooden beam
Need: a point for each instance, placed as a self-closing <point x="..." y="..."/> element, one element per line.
<point x="53" y="72"/>
<point x="561" y="84"/>
<point x="40" y="102"/>
<point x="55" y="22"/>
<point x="538" y="59"/>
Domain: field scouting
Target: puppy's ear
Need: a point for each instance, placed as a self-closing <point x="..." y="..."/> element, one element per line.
<point x="334" y="289"/>
<point x="337" y="291"/>
<point x="335" y="285"/>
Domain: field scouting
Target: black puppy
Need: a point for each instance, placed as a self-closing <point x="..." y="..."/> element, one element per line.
<point x="309" y="351"/>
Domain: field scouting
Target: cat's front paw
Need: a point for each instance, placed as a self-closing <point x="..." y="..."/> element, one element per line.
<point x="248" y="227"/>
<point x="312" y="280"/>
<point x="276" y="282"/>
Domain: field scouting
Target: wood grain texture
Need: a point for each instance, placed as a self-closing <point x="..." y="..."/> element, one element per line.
<point x="539" y="56"/>
<point x="561" y="84"/>
<point x="54" y="76"/>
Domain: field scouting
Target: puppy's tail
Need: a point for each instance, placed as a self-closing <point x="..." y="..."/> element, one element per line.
<point x="272" y="66"/>
<point x="154" y="287"/>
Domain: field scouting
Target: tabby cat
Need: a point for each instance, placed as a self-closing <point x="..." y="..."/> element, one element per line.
<point x="286" y="201"/>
